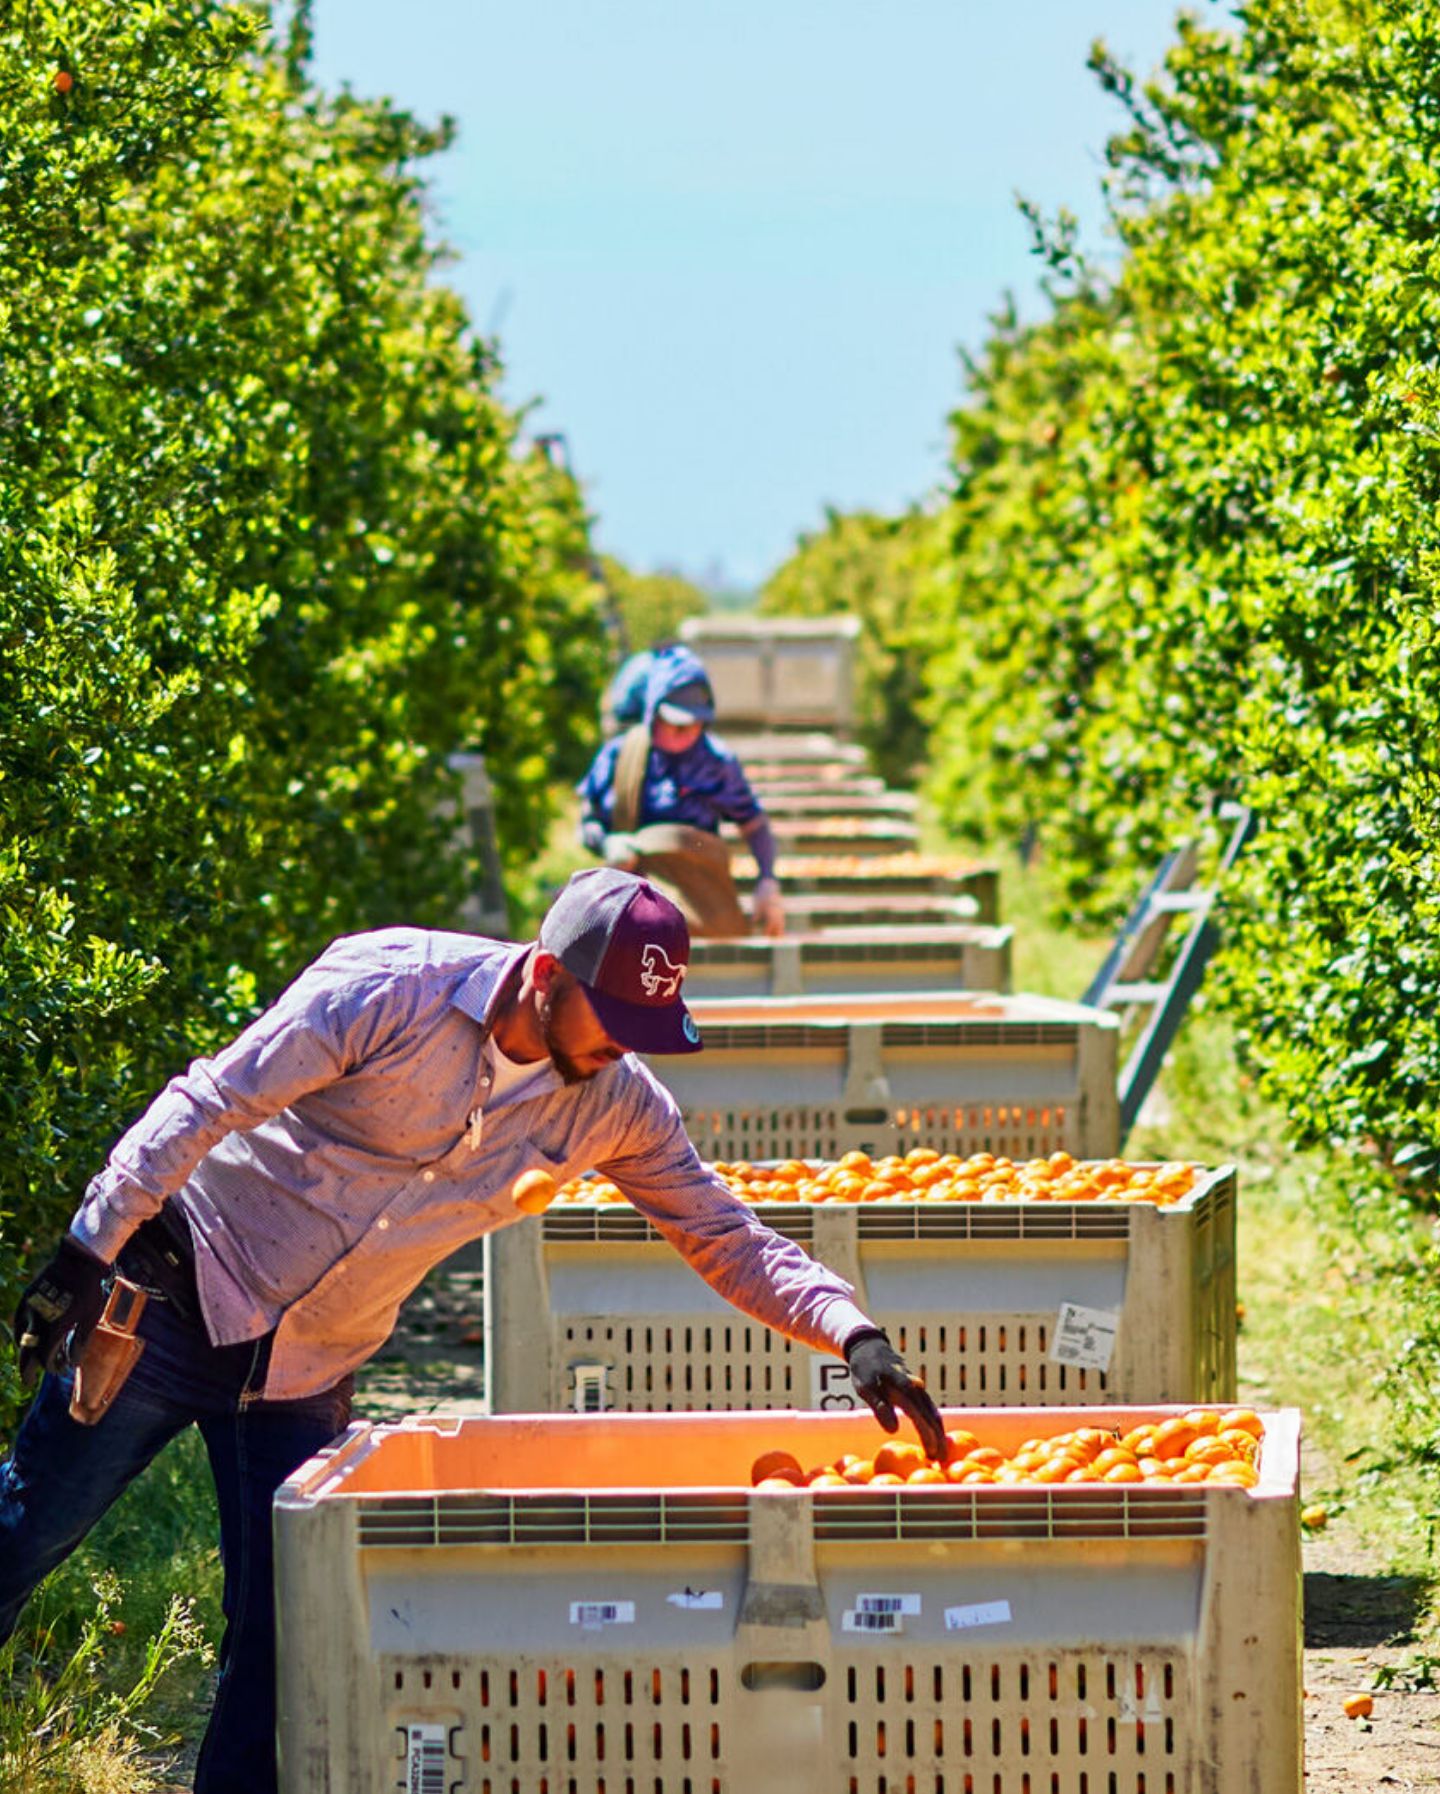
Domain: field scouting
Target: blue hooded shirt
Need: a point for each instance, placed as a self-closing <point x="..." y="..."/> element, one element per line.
<point x="701" y="787"/>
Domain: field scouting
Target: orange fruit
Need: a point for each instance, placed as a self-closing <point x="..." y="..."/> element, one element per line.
<point x="1112" y="1459"/>
<point x="827" y="1479"/>
<point x="533" y="1191"/>
<point x="887" y="1477"/>
<point x="775" y="1463"/>
<point x="1246" y="1420"/>
<point x="1245" y="1475"/>
<point x="1172" y="1438"/>
<point x="960" y="1444"/>
<point x="778" y="1485"/>
<point x="863" y="1471"/>
<point x="985" y="1457"/>
<point x="62" y="80"/>
<point x="1123" y="1472"/>
<point x="898" y="1459"/>
<point x="1358" y="1706"/>
<point x="927" y="1473"/>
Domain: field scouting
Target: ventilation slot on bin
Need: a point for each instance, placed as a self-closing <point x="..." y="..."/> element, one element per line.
<point x="689" y="1364"/>
<point x="1014" y="1725"/>
<point x="597" y="1728"/>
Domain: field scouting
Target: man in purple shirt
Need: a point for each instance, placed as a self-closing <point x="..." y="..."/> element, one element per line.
<point x="281" y="1200"/>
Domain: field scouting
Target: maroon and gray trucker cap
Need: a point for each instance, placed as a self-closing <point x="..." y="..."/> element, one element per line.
<point x="630" y="948"/>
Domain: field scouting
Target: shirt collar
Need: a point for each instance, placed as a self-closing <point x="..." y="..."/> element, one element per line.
<point x="479" y="996"/>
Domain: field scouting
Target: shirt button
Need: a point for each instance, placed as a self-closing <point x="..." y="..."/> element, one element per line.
<point x="428" y="1176"/>
<point x="383" y="1223"/>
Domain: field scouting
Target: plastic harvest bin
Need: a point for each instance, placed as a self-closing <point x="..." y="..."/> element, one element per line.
<point x="578" y="1605"/>
<point x="778" y="670"/>
<point x="839" y="780"/>
<point x="869" y="836"/>
<point x="816" y="875"/>
<point x="809" y="754"/>
<point x="968" y="956"/>
<point x="854" y="909"/>
<point x="587" y="1308"/>
<point x="814" y="1077"/>
<point x="785" y="802"/>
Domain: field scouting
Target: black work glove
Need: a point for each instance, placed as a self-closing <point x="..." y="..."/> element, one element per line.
<point x="59" y="1309"/>
<point x="878" y="1372"/>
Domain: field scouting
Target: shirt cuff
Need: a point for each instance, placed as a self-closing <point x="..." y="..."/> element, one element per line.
<point x="840" y="1320"/>
<point x="100" y="1230"/>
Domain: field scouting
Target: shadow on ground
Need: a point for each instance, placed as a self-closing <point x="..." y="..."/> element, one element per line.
<point x="1353" y="1612"/>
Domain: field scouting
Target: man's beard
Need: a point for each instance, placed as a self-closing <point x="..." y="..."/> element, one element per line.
<point x="570" y="1072"/>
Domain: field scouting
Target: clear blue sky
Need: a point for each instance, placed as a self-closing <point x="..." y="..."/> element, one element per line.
<point x="732" y="245"/>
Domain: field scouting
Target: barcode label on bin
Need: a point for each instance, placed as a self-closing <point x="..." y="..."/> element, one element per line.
<point x="602" y="1613"/>
<point x="984" y="1613"/>
<point x="425" y="1759"/>
<point x="857" y="1619"/>
<point x="887" y="1603"/>
<point x="1084" y="1337"/>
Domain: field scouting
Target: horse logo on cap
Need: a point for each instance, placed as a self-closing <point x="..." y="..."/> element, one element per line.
<point x="659" y="975"/>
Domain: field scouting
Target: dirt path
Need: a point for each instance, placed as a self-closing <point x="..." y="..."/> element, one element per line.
<point x="1358" y="1620"/>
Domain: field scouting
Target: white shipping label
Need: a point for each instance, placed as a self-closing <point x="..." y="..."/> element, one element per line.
<point x="424" y="1759"/>
<point x="1084" y="1337"/>
<point x="984" y="1613"/>
<point x="591" y="1614"/>
<point x="698" y="1600"/>
<point x="830" y="1385"/>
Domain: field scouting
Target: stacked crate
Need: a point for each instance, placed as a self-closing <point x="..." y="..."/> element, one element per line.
<point x="593" y="1602"/>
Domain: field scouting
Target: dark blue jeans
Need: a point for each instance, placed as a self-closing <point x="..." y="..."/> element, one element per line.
<point x="61" y="1477"/>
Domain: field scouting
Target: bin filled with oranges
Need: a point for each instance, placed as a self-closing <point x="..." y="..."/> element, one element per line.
<point x="925" y="1175"/>
<point x="1219" y="1446"/>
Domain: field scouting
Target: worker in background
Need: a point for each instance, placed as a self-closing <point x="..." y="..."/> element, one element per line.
<point x="280" y="1201"/>
<point x="655" y="796"/>
<point x="625" y="695"/>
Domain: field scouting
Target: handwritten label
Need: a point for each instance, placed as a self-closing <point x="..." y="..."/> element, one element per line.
<point x="698" y="1600"/>
<point x="984" y="1613"/>
<point x="1084" y="1337"/>
<point x="594" y="1614"/>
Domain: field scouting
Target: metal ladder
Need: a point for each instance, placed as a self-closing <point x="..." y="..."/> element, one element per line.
<point x="1122" y="985"/>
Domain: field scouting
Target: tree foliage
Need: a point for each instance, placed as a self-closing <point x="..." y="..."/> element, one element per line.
<point x="868" y="566"/>
<point x="269" y="550"/>
<point x="1192" y="542"/>
<point x="651" y="606"/>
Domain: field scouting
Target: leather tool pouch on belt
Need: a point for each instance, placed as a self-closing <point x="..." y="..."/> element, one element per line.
<point x="109" y="1355"/>
<point x="691" y="867"/>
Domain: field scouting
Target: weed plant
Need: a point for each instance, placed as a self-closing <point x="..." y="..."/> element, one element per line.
<point x="109" y="1669"/>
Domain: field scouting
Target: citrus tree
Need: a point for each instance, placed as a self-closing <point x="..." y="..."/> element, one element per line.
<point x="1192" y="544"/>
<point x="868" y="566"/>
<point x="270" y="550"/>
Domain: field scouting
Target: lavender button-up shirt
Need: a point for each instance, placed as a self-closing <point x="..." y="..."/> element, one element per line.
<point x="340" y="1148"/>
